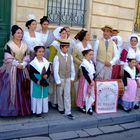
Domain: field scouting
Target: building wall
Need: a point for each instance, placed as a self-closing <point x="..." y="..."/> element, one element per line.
<point x="119" y="14"/>
<point x="22" y="8"/>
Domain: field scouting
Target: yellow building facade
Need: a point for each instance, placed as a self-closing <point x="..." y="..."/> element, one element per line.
<point x="120" y="14"/>
<point x="123" y="15"/>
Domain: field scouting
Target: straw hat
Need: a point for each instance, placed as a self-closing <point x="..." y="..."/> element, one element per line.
<point x="106" y="27"/>
<point x="64" y="42"/>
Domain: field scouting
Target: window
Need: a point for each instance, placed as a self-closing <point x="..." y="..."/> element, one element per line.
<point x="67" y="12"/>
<point x="137" y="23"/>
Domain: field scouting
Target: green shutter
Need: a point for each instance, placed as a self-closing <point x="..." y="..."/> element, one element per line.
<point x="5" y="17"/>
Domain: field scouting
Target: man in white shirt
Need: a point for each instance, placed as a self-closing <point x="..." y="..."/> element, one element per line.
<point x="64" y="74"/>
<point x="105" y="54"/>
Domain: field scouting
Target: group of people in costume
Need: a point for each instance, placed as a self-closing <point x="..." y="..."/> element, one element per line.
<point x="41" y="66"/>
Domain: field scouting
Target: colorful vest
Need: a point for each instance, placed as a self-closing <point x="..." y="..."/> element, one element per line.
<point x="105" y="54"/>
<point x="64" y="66"/>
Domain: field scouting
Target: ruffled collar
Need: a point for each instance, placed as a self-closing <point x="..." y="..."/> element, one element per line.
<point x="132" y="72"/>
<point x="36" y="64"/>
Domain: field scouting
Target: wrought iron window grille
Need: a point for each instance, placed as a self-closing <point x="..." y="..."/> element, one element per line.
<point x="67" y="12"/>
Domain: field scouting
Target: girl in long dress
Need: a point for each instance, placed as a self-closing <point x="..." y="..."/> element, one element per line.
<point x="39" y="73"/>
<point x="130" y="84"/>
<point x="86" y="87"/>
<point x="14" y="82"/>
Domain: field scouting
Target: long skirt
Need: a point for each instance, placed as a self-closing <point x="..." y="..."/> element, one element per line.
<point x="85" y="93"/>
<point x="129" y="95"/>
<point x="15" y="103"/>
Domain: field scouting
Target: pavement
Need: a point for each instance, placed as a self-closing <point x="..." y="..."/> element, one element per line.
<point x="55" y="126"/>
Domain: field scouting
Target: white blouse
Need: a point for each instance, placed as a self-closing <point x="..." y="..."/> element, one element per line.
<point x="32" y="41"/>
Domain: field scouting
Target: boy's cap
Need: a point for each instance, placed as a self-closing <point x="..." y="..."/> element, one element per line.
<point x="106" y="27"/>
<point x="64" y="42"/>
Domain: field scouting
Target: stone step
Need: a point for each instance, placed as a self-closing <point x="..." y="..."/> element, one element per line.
<point x="53" y="122"/>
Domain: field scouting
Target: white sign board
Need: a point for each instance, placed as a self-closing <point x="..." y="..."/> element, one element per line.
<point x="106" y="96"/>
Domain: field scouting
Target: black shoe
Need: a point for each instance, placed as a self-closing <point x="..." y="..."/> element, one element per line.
<point x="120" y="106"/>
<point x="70" y="116"/>
<point x="54" y="106"/>
<point x="82" y="109"/>
<point x="90" y="111"/>
<point x="39" y="115"/>
<point x="61" y="112"/>
<point x="127" y="110"/>
<point x="136" y="107"/>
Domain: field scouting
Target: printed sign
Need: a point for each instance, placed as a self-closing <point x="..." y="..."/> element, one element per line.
<point x="106" y="96"/>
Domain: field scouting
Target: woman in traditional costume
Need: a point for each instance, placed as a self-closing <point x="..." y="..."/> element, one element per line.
<point x="132" y="49"/>
<point x="46" y="34"/>
<point x="59" y="33"/>
<point x="83" y="43"/>
<point x="39" y="73"/>
<point x="14" y="83"/>
<point x="117" y="67"/>
<point x="31" y="37"/>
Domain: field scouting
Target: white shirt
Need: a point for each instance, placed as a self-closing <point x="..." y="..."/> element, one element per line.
<point x="132" y="53"/>
<point x="32" y="41"/>
<point x="44" y="36"/>
<point x="115" y="56"/>
<point x="47" y="38"/>
<point x="56" y="68"/>
<point x="79" y="46"/>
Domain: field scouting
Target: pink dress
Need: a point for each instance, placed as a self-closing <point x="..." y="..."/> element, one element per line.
<point x="85" y="90"/>
<point x="130" y="83"/>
